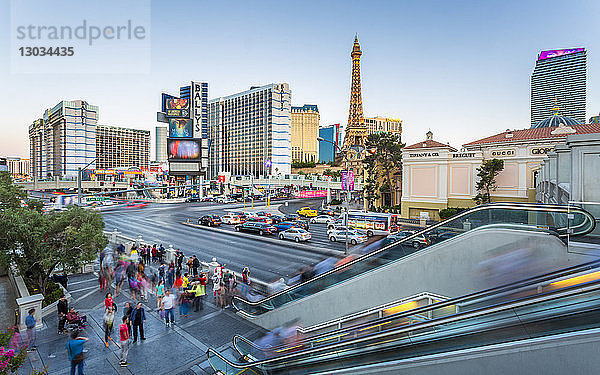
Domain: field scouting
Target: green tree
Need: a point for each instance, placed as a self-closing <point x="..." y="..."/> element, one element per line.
<point x="38" y="242"/>
<point x="487" y="179"/>
<point x="383" y="164"/>
<point x="10" y="194"/>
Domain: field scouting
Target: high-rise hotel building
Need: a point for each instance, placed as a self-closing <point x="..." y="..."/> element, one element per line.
<point x="122" y="147"/>
<point x="63" y="140"/>
<point x="559" y="79"/>
<point x="305" y="130"/>
<point x="383" y="125"/>
<point x="160" y="143"/>
<point x="250" y="132"/>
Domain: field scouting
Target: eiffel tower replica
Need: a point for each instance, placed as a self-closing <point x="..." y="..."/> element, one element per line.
<point x="356" y="130"/>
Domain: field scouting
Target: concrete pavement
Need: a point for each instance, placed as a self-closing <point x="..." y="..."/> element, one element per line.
<point x="179" y="350"/>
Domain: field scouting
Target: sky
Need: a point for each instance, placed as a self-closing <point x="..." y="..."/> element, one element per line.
<point x="458" y="68"/>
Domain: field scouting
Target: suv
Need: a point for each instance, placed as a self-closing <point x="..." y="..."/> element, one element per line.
<point x="210" y="220"/>
<point x="254" y="227"/>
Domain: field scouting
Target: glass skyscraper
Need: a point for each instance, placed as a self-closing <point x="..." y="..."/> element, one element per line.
<point x="559" y="80"/>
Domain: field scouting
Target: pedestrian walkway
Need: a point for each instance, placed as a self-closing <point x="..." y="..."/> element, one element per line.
<point x="180" y="349"/>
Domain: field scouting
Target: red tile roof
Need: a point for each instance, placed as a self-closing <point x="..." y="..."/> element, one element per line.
<point x="534" y="134"/>
<point x="429" y="143"/>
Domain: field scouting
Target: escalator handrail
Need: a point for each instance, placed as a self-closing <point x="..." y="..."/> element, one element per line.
<point x="544" y="297"/>
<point x="454" y="301"/>
<point x="522" y="206"/>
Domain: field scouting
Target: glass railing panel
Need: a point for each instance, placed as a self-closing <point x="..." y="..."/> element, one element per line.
<point x="557" y="220"/>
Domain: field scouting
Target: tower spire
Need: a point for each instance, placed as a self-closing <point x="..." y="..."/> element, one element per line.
<point x="356" y="132"/>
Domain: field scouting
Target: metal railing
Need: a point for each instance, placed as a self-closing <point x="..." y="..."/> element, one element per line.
<point x="585" y="224"/>
<point x="347" y="338"/>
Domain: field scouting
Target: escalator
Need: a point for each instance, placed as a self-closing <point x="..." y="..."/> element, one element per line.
<point x="553" y="305"/>
<point x="539" y="232"/>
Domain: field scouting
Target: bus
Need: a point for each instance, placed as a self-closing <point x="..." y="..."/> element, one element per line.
<point x="373" y="223"/>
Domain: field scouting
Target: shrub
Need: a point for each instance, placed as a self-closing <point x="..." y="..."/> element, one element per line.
<point x="53" y="292"/>
<point x="450" y="211"/>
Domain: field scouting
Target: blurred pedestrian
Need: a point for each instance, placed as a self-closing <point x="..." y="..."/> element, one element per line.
<point x="160" y="293"/>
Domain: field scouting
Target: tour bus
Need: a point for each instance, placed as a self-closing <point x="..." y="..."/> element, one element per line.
<point x="373" y="223"/>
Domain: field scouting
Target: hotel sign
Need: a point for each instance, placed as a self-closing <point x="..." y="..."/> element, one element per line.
<point x="541" y="150"/>
<point x="196" y="95"/>
<point x="502" y="153"/>
<point x="424" y="154"/>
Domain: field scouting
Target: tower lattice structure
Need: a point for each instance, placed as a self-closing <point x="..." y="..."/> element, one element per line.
<point x="356" y="131"/>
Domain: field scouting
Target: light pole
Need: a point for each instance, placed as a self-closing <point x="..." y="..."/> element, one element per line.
<point x="321" y="139"/>
<point x="79" y="177"/>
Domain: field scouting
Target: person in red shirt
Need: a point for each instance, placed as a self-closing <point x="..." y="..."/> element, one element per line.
<point x="124" y="338"/>
<point x="108" y="301"/>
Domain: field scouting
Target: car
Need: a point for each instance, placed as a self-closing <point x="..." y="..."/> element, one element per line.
<point x="210" y="220"/>
<point x="307" y="212"/>
<point x="191" y="199"/>
<point x="322" y="219"/>
<point x="420" y="241"/>
<point x="225" y="200"/>
<point x="301" y="223"/>
<point x="254" y="227"/>
<point x="335" y="228"/>
<point x="230" y="219"/>
<point x="207" y="199"/>
<point x="327" y="212"/>
<point x="335" y="224"/>
<point x="353" y="237"/>
<point x="296" y="234"/>
<point x="263" y="213"/>
<point x="284" y="225"/>
<point x="277" y="219"/>
<point x="292" y="217"/>
<point x="263" y="219"/>
<point x="443" y="236"/>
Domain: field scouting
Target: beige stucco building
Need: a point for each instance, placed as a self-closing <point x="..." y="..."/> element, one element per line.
<point x="437" y="176"/>
<point x="305" y="130"/>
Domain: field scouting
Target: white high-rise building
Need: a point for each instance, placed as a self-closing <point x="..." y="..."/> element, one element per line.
<point x="559" y="81"/>
<point x="160" y="143"/>
<point x="250" y="132"/>
<point x="63" y="140"/>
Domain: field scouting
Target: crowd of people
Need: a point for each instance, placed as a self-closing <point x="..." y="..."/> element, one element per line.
<point x="144" y="271"/>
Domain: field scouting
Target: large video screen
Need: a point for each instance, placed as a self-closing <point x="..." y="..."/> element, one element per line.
<point x="180" y="128"/>
<point x="183" y="149"/>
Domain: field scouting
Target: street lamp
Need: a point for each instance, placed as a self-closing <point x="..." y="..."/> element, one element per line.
<point x="79" y="178"/>
<point x="321" y="139"/>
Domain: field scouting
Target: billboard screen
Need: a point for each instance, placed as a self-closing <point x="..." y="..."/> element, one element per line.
<point x="177" y="108"/>
<point x="183" y="149"/>
<point x="558" y="52"/>
<point x="180" y="128"/>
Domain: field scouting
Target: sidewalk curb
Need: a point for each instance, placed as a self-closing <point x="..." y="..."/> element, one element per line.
<point x="316" y="249"/>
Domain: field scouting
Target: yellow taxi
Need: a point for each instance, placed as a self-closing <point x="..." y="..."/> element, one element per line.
<point x="307" y="211"/>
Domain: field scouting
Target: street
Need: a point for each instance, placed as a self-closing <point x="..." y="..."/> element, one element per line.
<point x="161" y="224"/>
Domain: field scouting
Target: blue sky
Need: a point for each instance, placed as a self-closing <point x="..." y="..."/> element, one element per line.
<point x="458" y="68"/>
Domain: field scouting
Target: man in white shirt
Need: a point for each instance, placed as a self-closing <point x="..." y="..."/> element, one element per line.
<point x="168" y="304"/>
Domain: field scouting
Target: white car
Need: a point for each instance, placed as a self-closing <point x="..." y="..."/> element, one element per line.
<point x="230" y="219"/>
<point x="353" y="237"/>
<point x="296" y="234"/>
<point x="225" y="200"/>
<point x="322" y="219"/>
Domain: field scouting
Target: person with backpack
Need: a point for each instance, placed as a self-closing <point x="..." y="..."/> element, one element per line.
<point x="74" y="349"/>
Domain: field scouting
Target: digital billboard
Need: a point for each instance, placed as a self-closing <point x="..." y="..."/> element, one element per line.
<point x="180" y="128"/>
<point x="183" y="149"/>
<point x="177" y="107"/>
<point x="558" y="52"/>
